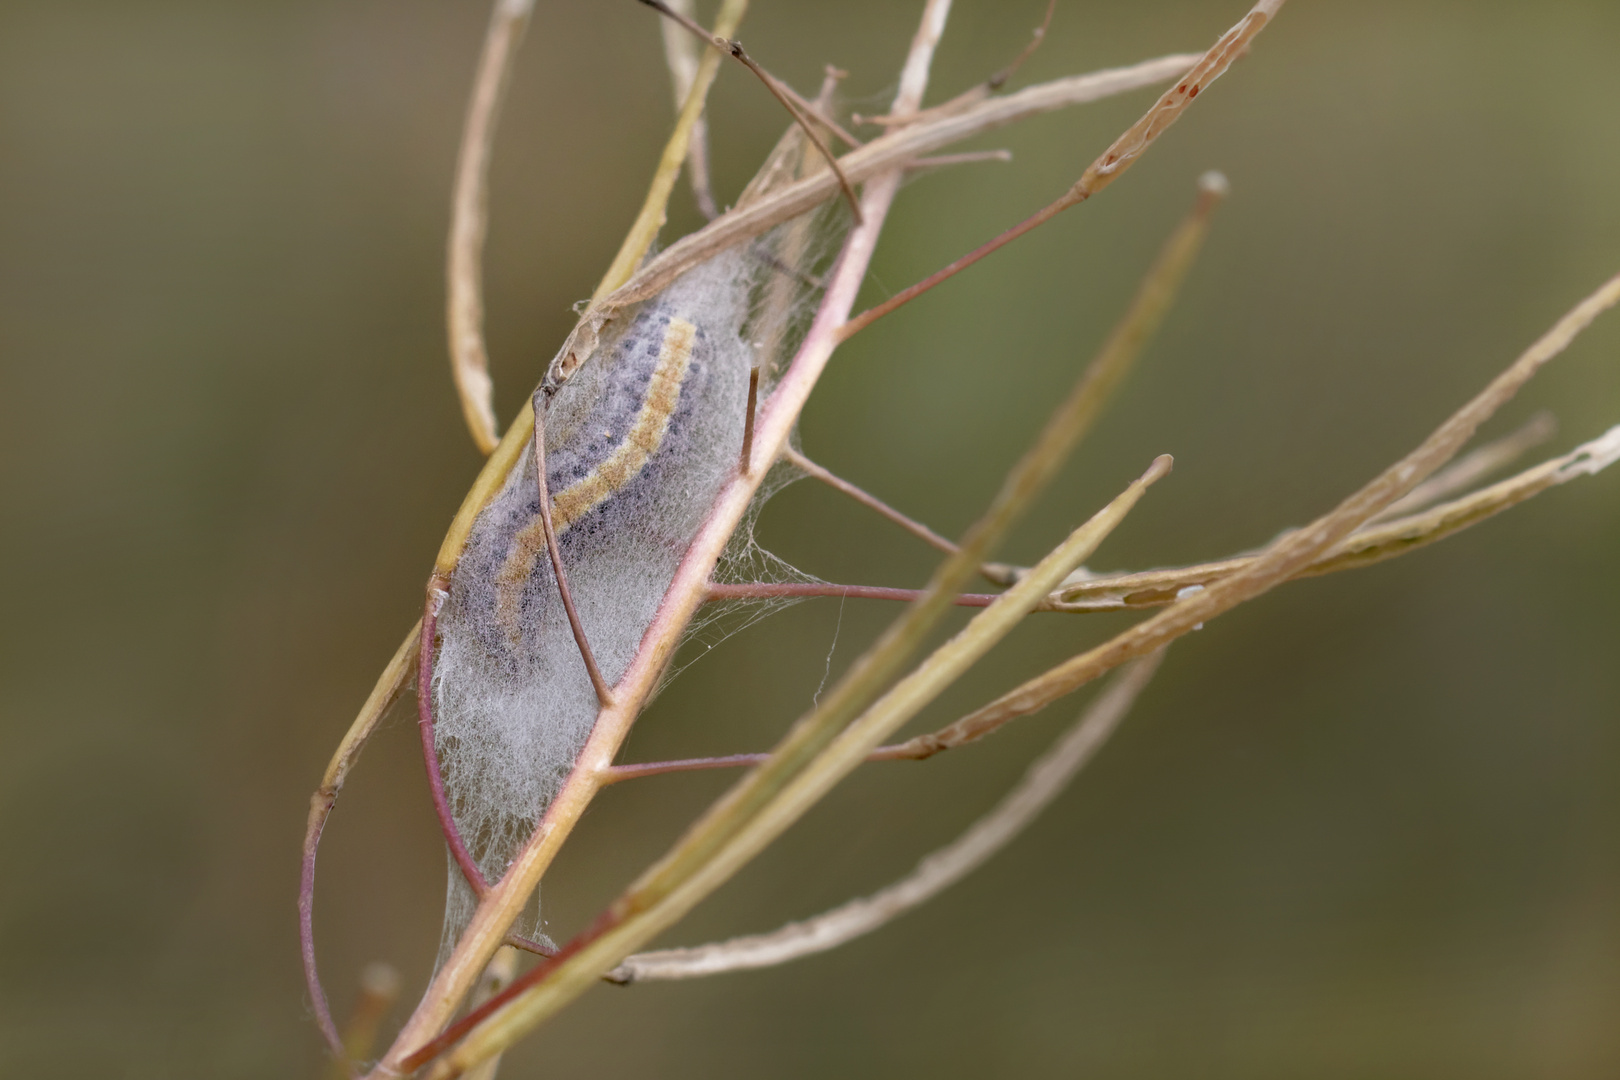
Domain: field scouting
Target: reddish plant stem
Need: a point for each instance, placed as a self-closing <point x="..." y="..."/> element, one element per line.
<point x="604" y="693"/>
<point x="518" y="941"/>
<point x="776" y="590"/>
<point x="748" y="420"/>
<point x="436" y="594"/>
<point x="893" y="752"/>
<point x="617" y="773"/>
<point x="1034" y="221"/>
<point x="320" y="806"/>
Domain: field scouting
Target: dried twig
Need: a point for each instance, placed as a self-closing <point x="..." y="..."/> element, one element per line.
<point x="681" y="53"/>
<point x="395" y="676"/>
<point x="604" y="693"/>
<point x="802" y="111"/>
<point x="871" y="502"/>
<point x="1045" y="779"/>
<point x="654" y="209"/>
<point x="1474" y="466"/>
<point x="1110" y="166"/>
<point x="469" y="217"/>
<point x="1384" y="539"/>
<point x="976" y="94"/>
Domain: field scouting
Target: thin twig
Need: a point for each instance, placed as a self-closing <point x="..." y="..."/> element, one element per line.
<point x="469" y="219"/>
<point x="871" y="502"/>
<point x="681" y="54"/>
<point x="791" y="99"/>
<point x="1383" y="539"/>
<point x="655" y="208"/>
<point x="1213" y="186"/>
<point x="604" y="693"/>
<point x="1107" y="371"/>
<point x="437" y="593"/>
<point x="973" y="95"/>
<point x="791" y="102"/>
<point x="973" y="157"/>
<point x="640" y="769"/>
<point x="779" y="590"/>
<point x="529" y="945"/>
<point x="797" y="107"/>
<point x="1045" y="779"/>
<point x="1474" y="466"/>
<point x="395" y="676"/>
<point x="747" y="459"/>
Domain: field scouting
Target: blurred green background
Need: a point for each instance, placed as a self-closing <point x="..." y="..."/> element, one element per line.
<point x="1364" y="826"/>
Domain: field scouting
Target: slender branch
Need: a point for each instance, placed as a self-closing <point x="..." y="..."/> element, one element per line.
<point x="395" y="675"/>
<point x="640" y="769"/>
<point x="1045" y="779"/>
<point x="604" y="694"/>
<point x="469" y="219"/>
<point x="437" y="593"/>
<point x="1119" y="156"/>
<point x="973" y="95"/>
<point x="797" y="107"/>
<point x="893" y="150"/>
<point x="528" y="945"/>
<point x="773" y="590"/>
<point x="1293" y="552"/>
<point x="746" y="459"/>
<point x="681" y="54"/>
<point x="870" y="501"/>
<point x="999" y="79"/>
<point x="1213" y="186"/>
<point x="800" y="110"/>
<point x="1474" y="466"/>
<point x="972" y="157"/>
<point x="1139" y="321"/>
<point x="654" y="210"/>
<point x="1385" y="538"/>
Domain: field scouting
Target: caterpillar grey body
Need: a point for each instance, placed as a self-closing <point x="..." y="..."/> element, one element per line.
<point x="644" y="412"/>
<point x="638" y="441"/>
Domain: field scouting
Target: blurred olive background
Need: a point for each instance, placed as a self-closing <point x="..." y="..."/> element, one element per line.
<point x="1364" y="826"/>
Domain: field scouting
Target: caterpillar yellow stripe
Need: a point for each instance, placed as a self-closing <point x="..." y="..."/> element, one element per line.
<point x="639" y="436"/>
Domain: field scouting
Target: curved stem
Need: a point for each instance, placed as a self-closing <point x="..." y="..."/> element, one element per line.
<point x="436" y="594"/>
